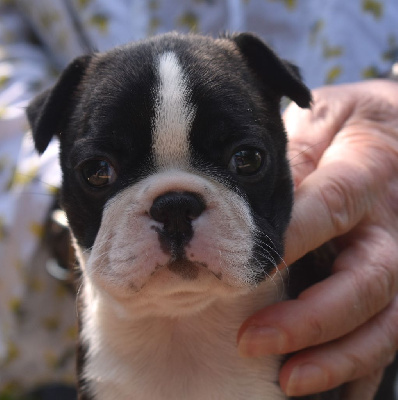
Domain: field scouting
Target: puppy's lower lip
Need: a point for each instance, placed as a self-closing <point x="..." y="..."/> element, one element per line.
<point x="188" y="270"/>
<point x="181" y="293"/>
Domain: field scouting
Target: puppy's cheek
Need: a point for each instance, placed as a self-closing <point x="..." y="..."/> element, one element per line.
<point x="223" y="243"/>
<point x="125" y="253"/>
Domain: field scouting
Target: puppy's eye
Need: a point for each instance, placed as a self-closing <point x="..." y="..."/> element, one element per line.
<point x="98" y="173"/>
<point x="246" y="162"/>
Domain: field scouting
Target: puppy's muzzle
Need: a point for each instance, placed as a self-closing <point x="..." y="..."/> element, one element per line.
<point x="176" y="211"/>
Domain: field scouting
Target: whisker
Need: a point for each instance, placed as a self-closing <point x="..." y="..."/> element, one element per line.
<point x="309" y="147"/>
<point x="261" y="244"/>
<point x="270" y="277"/>
<point x="301" y="163"/>
<point x="283" y="262"/>
<point x="78" y="293"/>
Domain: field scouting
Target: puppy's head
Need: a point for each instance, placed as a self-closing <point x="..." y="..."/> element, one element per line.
<point x="175" y="179"/>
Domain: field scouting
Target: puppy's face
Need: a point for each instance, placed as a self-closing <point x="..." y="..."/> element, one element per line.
<point x="175" y="180"/>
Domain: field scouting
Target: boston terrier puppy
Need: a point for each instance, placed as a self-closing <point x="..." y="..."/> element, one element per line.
<point x="178" y="194"/>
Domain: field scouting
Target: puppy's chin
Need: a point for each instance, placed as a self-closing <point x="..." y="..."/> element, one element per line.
<point x="192" y="289"/>
<point x="177" y="288"/>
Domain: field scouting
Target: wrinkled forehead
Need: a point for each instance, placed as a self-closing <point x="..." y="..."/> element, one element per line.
<point x="166" y="105"/>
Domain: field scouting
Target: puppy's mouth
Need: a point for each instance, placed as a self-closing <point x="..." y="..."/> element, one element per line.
<point x="186" y="269"/>
<point x="183" y="270"/>
<point x="181" y="277"/>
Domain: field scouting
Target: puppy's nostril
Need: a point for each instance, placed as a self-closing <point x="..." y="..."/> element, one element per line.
<point x="176" y="209"/>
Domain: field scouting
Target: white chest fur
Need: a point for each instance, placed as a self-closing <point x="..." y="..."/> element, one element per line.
<point x="188" y="358"/>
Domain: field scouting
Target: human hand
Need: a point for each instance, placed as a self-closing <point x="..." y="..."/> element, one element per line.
<point x="344" y="154"/>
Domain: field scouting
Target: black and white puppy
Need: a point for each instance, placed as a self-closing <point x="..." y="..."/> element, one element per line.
<point x="178" y="193"/>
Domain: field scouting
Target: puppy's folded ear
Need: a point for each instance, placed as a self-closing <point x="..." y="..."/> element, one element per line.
<point x="49" y="110"/>
<point x="279" y="76"/>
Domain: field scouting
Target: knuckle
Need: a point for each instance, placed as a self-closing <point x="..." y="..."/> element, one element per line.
<point x="386" y="282"/>
<point x="387" y="351"/>
<point x="356" y="367"/>
<point x="343" y="207"/>
<point x="380" y="289"/>
<point x="316" y="330"/>
<point x="302" y="159"/>
<point x="302" y="153"/>
<point x="390" y="326"/>
<point x="373" y="289"/>
<point x="360" y="364"/>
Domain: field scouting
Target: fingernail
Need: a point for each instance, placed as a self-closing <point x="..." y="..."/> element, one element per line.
<point x="259" y="341"/>
<point x="305" y="379"/>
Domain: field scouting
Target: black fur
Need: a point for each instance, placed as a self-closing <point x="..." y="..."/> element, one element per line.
<point x="276" y="74"/>
<point x="49" y="111"/>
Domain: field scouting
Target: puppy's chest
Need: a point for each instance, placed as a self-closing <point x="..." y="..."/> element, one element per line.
<point x="192" y="371"/>
<point x="198" y="382"/>
<point x="195" y="358"/>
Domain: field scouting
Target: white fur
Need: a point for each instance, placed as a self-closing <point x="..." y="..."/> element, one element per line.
<point x="173" y="113"/>
<point x="189" y="358"/>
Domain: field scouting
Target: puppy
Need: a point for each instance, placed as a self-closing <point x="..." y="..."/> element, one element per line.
<point x="178" y="193"/>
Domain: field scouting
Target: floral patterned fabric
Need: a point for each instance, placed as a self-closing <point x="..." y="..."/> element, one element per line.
<point x="333" y="41"/>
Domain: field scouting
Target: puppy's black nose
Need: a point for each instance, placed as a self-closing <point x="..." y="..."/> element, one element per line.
<point x="176" y="211"/>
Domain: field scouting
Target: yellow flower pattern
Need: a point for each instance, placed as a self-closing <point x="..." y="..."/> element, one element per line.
<point x="189" y="20"/>
<point x="100" y="21"/>
<point x="48" y="18"/>
<point x="3" y="81"/>
<point x="289" y="4"/>
<point x="315" y="31"/>
<point x="391" y="54"/>
<point x="331" y="51"/>
<point x="374" y="7"/>
<point x="2" y="229"/>
<point x="51" y="323"/>
<point x="333" y="74"/>
<point x="83" y="3"/>
<point x="370" y="72"/>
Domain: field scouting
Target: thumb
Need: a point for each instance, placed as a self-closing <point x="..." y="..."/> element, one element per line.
<point x="328" y="203"/>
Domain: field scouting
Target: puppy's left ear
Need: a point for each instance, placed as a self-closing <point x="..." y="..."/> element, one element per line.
<point x="277" y="75"/>
<point x="48" y="111"/>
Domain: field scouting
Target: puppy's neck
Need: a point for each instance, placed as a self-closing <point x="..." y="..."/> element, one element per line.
<point x="193" y="357"/>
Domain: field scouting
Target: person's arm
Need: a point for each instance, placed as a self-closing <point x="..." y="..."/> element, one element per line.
<point x="344" y="154"/>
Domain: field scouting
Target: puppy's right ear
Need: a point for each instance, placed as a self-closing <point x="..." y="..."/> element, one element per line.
<point x="277" y="76"/>
<point x="48" y="111"/>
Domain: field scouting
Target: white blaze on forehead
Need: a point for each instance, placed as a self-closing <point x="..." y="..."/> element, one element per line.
<point x="173" y="114"/>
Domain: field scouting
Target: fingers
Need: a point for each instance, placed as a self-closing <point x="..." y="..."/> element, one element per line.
<point x="328" y="203"/>
<point x="311" y="131"/>
<point x="359" y="354"/>
<point x="308" y="321"/>
<point x="364" y="283"/>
